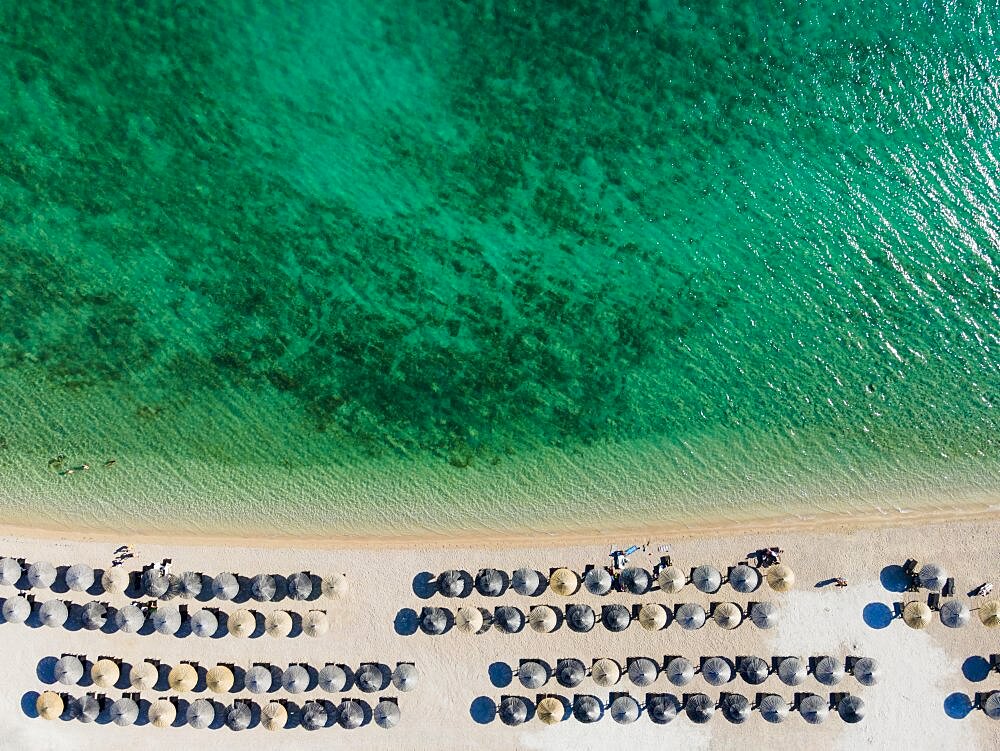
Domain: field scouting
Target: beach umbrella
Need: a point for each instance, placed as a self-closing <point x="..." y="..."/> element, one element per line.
<point x="313" y="715"/>
<point x="94" y="615"/>
<point x="728" y="615"/>
<point x="155" y="583"/>
<point x="88" y="708"/>
<point x="542" y="619"/>
<point x="114" y="581"/>
<point x="166" y="620"/>
<point x="200" y="714"/>
<point x="513" y="710"/>
<point x="143" y="676"/>
<point x="72" y="710"/>
<point x="606" y="672"/>
<point x="334" y="586"/>
<point x="754" y="670"/>
<point x="79" y="577"/>
<point x="219" y="680"/>
<point x="295" y="679"/>
<point x="105" y="673"/>
<point x="489" y="582"/>
<point x="580" y="618"/>
<point x="706" y="579"/>
<point x="242" y="623"/>
<point x="190" y="585"/>
<point x="129" y="619"/>
<point x="744" y="579"/>
<point x="315" y="623"/>
<point x="300" y="586"/>
<point x="238" y="716"/>
<point x="671" y="579"/>
<point x="526" y="581"/>
<point x="764" y="614"/>
<point x="680" y="671"/>
<point x="173" y="587"/>
<point x="451" y="583"/>
<point x="989" y="613"/>
<point x="564" y="582"/>
<point x="587" y="708"/>
<point x="273" y="716"/>
<point x="735" y="708"/>
<point x="263" y="587"/>
<point x="955" y="613"/>
<point x="278" y="623"/>
<point x="404" y="677"/>
<point x="916" y="614"/>
<point x="433" y="621"/>
<point x="814" y="709"/>
<point x="49" y="705"/>
<point x="662" y="708"/>
<point x="616" y="617"/>
<point x="53" y="613"/>
<point x="570" y="672"/>
<point x="182" y="677"/>
<point x="258" y="680"/>
<point x="225" y="586"/>
<point x="41" y="575"/>
<point x="642" y="671"/>
<point x="69" y="670"/>
<point x="699" y="708"/>
<point x="690" y="616"/>
<point x="636" y="580"/>
<point x="10" y="572"/>
<point x="780" y="578"/>
<point x="16" y="609"/>
<point x="851" y="709"/>
<point x="652" y="616"/>
<point x="598" y="581"/>
<point x="386" y="714"/>
<point x="716" y="671"/>
<point x="992" y="706"/>
<point x="625" y="710"/>
<point x="932" y="577"/>
<point x="351" y="714"/>
<point x="867" y="671"/>
<point x="124" y="712"/>
<point x="550" y="710"/>
<point x="773" y="708"/>
<point x="204" y="624"/>
<point x="332" y="678"/>
<point x="469" y="620"/>
<point x="368" y="678"/>
<point x="829" y="671"/>
<point x="508" y="619"/>
<point x="792" y="671"/>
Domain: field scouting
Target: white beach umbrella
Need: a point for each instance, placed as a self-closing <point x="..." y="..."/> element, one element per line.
<point x="143" y="676"/>
<point x="526" y="581"/>
<point x="625" y="710"/>
<point x="300" y="586"/>
<point x="587" y="708"/>
<point x="754" y="670"/>
<point x="88" y="708"/>
<point x="829" y="671"/>
<point x="707" y="579"/>
<point x="542" y="619"/>
<point x="955" y="613"/>
<point x="490" y="582"/>
<point x="79" y="577"/>
<point x="315" y="623"/>
<point x="680" y="671"/>
<point x="335" y="586"/>
<point x="16" y="609"/>
<point x="598" y="581"/>
<point x="636" y="580"/>
<point x="369" y="677"/>
<point x="671" y="579"/>
<point x="699" y="708"/>
<point x="351" y="714"/>
<point x="616" y="617"/>
<point x="814" y="709"/>
<point x="662" y="708"/>
<point x="735" y="708"/>
<point x="744" y="579"/>
<point x="606" y="672"/>
<point x="332" y="678"/>
<point x="773" y="708"/>
<point x="124" y="712"/>
<point x="41" y="575"/>
<point x="10" y="572"/>
<point x="258" y="679"/>
<point x="764" y="615"/>
<point x="115" y="580"/>
<point x="690" y="616"/>
<point x="204" y="624"/>
<point x="69" y="670"/>
<point x="513" y="711"/>
<point x="263" y="587"/>
<point x="225" y="586"/>
<point x="932" y="577"/>
<point x="532" y="674"/>
<point x="314" y="715"/>
<point x="238" y="716"/>
<point x="451" y="583"/>
<point x="53" y="613"/>
<point x="241" y="623"/>
<point x="190" y="584"/>
<point x="642" y="671"/>
<point x="851" y="709"/>
<point x="273" y="716"/>
<point x="716" y="671"/>
<point x="129" y="619"/>
<point x="295" y="679"/>
<point x="867" y="671"/>
<point x="166" y="620"/>
<point x="162" y="713"/>
<point x="386" y="714"/>
<point x="404" y="677"/>
<point x="200" y="714"/>
<point x="570" y="672"/>
<point x="278" y="623"/>
<point x="507" y="619"/>
<point x="991" y="707"/>
<point x="94" y="615"/>
<point x="580" y="618"/>
<point x="792" y="671"/>
<point x="155" y="583"/>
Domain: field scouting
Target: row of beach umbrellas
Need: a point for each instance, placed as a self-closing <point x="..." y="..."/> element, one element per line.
<point x="953" y="614"/>
<point x="165" y="619"/>
<point x="203" y="713"/>
<point x="663" y="708"/>
<point x="680" y="671"/>
<point x="491" y="582"/>
<point x="190" y="584"/>
<point x="183" y="677"/>
<point x="582" y="618"/>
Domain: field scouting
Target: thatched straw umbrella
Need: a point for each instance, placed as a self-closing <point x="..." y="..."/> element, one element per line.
<point x="991" y="707"/>
<point x="754" y="670"/>
<point x="404" y="677"/>
<point x="542" y="619"/>
<point x="258" y="680"/>
<point x="773" y="708"/>
<point x="182" y="677"/>
<point x="124" y="712"/>
<point x="780" y="578"/>
<point x="513" y="710"/>
<point x="53" y="613"/>
<point x="315" y="623"/>
<point x="580" y="618"/>
<point x="744" y="579"/>
<point x="735" y="708"/>
<point x="79" y="577"/>
<point x="652" y="616"/>
<point x="69" y="670"/>
<point x="680" y="671"/>
<point x="989" y="613"/>
<point x="625" y="710"/>
<point x="314" y="715"/>
<point x="642" y="671"/>
<point x="829" y="671"/>
<point x="433" y="621"/>
<point x="699" y="708"/>
<point x="49" y="705"/>
<point x="155" y="583"/>
<point x="114" y="581"/>
<point x="88" y="708"/>
<point x="587" y="708"/>
<point x="334" y="586"/>
<point x="200" y="714"/>
<point x="636" y="580"/>
<point x="727" y="615"/>
<point x="606" y="672"/>
<point x="41" y="575"/>
<point x="10" y="572"/>
<point x="300" y="586"/>
<point x="129" y="619"/>
<point x="278" y="623"/>
<point x="508" y="619"/>
<point x="671" y="579"/>
<point x="690" y="616"/>
<point x="386" y="714"/>
<point x="955" y="613"/>
<point x="142" y="676"/>
<point x="219" y="680"/>
<point x="851" y="709"/>
<point x="532" y="674"/>
<point x="707" y="579"/>
<point x="814" y="709"/>
<point x="351" y="714"/>
<point x="489" y="582"/>
<point x="368" y="677"/>
<point x="469" y="620"/>
<point x="570" y="672"/>
<point x="295" y="679"/>
<point x="166" y="619"/>
<point x="225" y="586"/>
<point x="105" y="673"/>
<point x="162" y="713"/>
<point x="451" y="583"/>
<point x="662" y="708"/>
<point x="932" y="577"/>
<point x="598" y="581"/>
<point x="263" y="587"/>
<point x="916" y="614"/>
<point x="550" y="710"/>
<point x="332" y="678"/>
<point x="526" y="581"/>
<point x="792" y="671"/>
<point x="16" y="609"/>
<point x="273" y="716"/>
<point x="764" y="615"/>
<point x="867" y="671"/>
<point x="564" y="581"/>
<point x="242" y="623"/>
<point x="716" y="671"/>
<point x="616" y="617"/>
<point x="94" y="615"/>
<point x="204" y="623"/>
<point x="238" y="716"/>
<point x="190" y="585"/>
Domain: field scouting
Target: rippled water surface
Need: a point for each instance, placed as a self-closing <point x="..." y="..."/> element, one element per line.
<point x="492" y="266"/>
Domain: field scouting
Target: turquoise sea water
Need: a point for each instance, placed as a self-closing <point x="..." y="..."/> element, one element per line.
<point x="365" y="267"/>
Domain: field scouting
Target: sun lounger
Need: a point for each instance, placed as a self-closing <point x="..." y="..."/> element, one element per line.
<point x="995" y="662"/>
<point x="934" y="600"/>
<point x="949" y="587"/>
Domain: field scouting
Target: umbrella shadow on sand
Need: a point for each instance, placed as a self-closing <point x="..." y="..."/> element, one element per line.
<point x="501" y="674"/>
<point x="483" y="710"/>
<point x="406" y="622"/>
<point x="957" y="705"/>
<point x="877" y="615"/>
<point x="424" y="586"/>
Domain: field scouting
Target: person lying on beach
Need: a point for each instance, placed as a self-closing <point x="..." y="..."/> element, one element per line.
<point x="840" y="582"/>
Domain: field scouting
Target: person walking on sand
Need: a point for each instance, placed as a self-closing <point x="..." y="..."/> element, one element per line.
<point x="840" y="582"/>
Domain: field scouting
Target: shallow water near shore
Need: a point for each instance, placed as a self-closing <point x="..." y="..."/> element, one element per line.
<point x="361" y="269"/>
